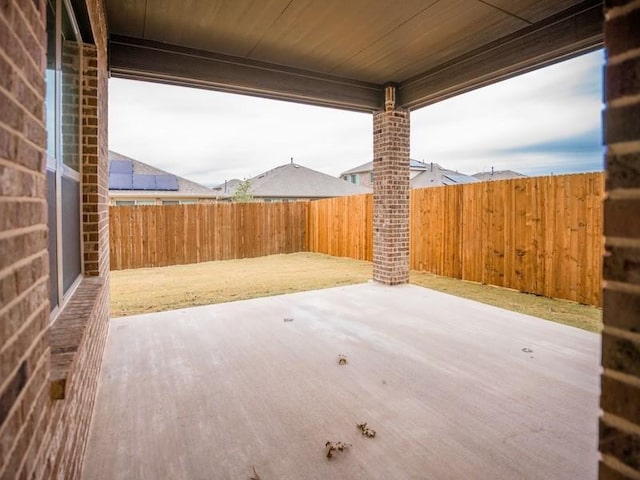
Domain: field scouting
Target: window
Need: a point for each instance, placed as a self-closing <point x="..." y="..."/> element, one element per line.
<point x="62" y="103"/>
<point x="354" y="178"/>
<point x="371" y="178"/>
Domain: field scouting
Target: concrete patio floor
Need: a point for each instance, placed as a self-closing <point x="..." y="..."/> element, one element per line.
<point x="211" y="392"/>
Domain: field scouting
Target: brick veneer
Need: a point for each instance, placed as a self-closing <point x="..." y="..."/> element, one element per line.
<point x="620" y="398"/>
<point x="391" y="192"/>
<point x="41" y="437"/>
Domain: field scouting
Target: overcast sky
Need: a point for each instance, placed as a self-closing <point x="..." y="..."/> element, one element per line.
<point x="547" y="121"/>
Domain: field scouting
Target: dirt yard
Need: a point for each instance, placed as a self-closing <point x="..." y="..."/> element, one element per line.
<point x="156" y="289"/>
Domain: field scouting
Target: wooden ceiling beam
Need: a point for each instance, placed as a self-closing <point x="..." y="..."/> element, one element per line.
<point x="138" y="59"/>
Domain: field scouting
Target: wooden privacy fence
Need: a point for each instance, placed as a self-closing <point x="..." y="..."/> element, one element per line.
<point x="154" y="236"/>
<point x="342" y="227"/>
<point x="540" y="235"/>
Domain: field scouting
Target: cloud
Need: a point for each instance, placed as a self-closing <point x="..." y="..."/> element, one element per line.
<point x="211" y="136"/>
<point x="558" y="105"/>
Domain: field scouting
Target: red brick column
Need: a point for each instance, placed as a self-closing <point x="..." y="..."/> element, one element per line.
<point x="620" y="398"/>
<point x="391" y="192"/>
<point x="95" y="164"/>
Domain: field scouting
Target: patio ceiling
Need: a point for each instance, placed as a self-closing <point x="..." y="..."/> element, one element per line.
<point x="340" y="54"/>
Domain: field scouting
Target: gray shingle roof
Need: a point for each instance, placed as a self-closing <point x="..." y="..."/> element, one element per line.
<point x="185" y="187"/>
<point x="368" y="167"/>
<point x="438" y="176"/>
<point x="498" y="175"/>
<point x="292" y="180"/>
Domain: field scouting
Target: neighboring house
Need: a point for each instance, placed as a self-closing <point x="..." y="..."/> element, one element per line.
<point x="132" y="182"/>
<point x="436" y="176"/>
<point x="291" y="182"/>
<point x="498" y="175"/>
<point x="228" y="187"/>
<point x="421" y="175"/>
<point x="363" y="174"/>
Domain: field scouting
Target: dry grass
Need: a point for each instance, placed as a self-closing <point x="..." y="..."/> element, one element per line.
<point x="156" y="289"/>
<point x="561" y="311"/>
<point x="146" y="290"/>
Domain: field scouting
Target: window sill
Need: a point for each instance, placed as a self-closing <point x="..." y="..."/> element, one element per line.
<point x="69" y="330"/>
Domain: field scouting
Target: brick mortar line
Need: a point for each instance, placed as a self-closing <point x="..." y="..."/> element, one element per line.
<point x="21" y="231"/>
<point x="17" y="166"/>
<point x="22" y="200"/>
<point x="624" y="378"/>
<point x="41" y="364"/>
<point x="626" y="101"/>
<point x="617" y="12"/>
<point x="623" y="194"/>
<point x="622" y="57"/>
<point x="26" y="139"/>
<point x="623" y="148"/>
<point x="620" y="422"/>
<point x="622" y="333"/>
<point x="23" y="51"/>
<point x="39" y="424"/>
<point x="620" y="467"/>
<point x="622" y="287"/>
<point x="20" y="297"/>
<point x="45" y="331"/>
<point x="20" y="74"/>
<point x="16" y="404"/>
<point x="31" y="29"/>
<point x="20" y="105"/>
<point x="621" y="242"/>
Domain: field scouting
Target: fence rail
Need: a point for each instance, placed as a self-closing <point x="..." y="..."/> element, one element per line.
<point x="541" y="235"/>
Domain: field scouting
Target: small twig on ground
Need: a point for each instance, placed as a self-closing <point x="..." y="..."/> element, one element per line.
<point x="335" y="446"/>
<point x="255" y="475"/>
<point x="366" y="431"/>
<point x="342" y="359"/>
<point x="288" y="319"/>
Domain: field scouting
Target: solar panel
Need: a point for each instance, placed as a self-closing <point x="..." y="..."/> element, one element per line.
<point x="166" y="182"/>
<point x="120" y="181"/>
<point x="144" y="182"/>
<point x="121" y="166"/>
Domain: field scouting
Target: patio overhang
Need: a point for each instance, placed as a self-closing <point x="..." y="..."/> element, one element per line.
<point x="285" y="50"/>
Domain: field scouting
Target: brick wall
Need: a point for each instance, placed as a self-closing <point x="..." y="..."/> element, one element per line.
<point x="391" y="192"/>
<point x="95" y="163"/>
<point x="24" y="304"/>
<point x="41" y="437"/>
<point x="620" y="399"/>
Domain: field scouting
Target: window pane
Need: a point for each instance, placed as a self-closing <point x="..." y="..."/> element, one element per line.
<point x="70" y="82"/>
<point x="70" y="231"/>
<point x="52" y="222"/>
<point x="50" y="78"/>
